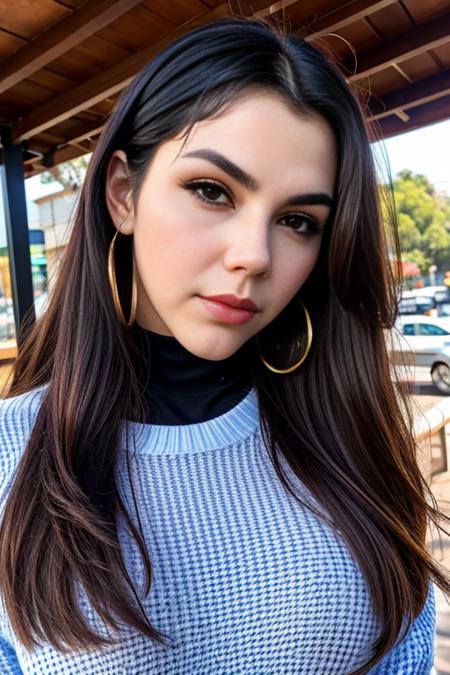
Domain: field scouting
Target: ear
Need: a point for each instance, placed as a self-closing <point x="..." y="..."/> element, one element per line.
<point x="119" y="194"/>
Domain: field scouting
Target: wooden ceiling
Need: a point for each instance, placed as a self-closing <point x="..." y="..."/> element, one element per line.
<point x="65" y="62"/>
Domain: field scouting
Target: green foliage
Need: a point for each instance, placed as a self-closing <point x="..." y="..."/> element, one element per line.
<point x="423" y="221"/>
<point x="413" y="198"/>
<point x="436" y="237"/>
<point x="417" y="256"/>
<point x="408" y="232"/>
<point x="418" y="178"/>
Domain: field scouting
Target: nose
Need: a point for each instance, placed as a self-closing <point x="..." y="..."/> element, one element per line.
<point x="249" y="247"/>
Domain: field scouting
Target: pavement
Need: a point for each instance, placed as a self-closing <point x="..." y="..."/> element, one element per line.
<point x="425" y="396"/>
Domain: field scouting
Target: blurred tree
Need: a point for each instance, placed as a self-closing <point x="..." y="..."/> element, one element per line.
<point x="415" y="197"/>
<point x="419" y="258"/>
<point x="409" y="233"/>
<point x="436" y="244"/>
<point x="423" y="221"/>
<point x="69" y="174"/>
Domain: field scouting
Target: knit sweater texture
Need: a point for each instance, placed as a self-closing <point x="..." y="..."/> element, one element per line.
<point x="246" y="579"/>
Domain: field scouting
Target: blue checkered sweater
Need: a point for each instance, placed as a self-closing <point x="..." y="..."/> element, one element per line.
<point x="246" y="580"/>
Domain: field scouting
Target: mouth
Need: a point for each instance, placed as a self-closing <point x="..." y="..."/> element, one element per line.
<point x="230" y="309"/>
<point x="233" y="301"/>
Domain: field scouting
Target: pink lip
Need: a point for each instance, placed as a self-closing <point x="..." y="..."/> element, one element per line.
<point x="227" y="313"/>
<point x="233" y="301"/>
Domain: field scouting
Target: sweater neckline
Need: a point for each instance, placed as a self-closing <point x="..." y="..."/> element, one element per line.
<point x="182" y="388"/>
<point x="176" y="371"/>
<point x="235" y="425"/>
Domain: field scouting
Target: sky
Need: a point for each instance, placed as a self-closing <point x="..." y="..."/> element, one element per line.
<point x="425" y="151"/>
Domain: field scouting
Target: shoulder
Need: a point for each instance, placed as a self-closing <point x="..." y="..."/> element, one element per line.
<point x="414" y="654"/>
<point x="17" y="417"/>
<point x="20" y="411"/>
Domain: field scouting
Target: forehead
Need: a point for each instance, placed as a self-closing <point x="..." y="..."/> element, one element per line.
<point x="265" y="137"/>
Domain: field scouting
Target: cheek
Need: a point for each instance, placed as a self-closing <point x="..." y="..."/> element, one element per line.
<point x="156" y="222"/>
<point x="153" y="244"/>
<point x="295" y="265"/>
<point x="169" y="249"/>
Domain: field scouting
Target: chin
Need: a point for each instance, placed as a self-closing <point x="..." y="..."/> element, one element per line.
<point x="212" y="348"/>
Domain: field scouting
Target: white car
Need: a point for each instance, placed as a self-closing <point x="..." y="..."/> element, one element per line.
<point x="430" y="301"/>
<point x="427" y="340"/>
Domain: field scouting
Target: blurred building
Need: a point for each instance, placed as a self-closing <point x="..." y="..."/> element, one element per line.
<point x="55" y="212"/>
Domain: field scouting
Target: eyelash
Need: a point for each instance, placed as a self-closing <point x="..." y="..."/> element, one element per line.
<point x="197" y="185"/>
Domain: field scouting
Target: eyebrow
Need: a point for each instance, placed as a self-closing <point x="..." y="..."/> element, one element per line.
<point x="248" y="181"/>
<point x="226" y="165"/>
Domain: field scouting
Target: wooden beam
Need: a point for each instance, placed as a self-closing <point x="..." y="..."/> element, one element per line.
<point x="69" y="152"/>
<point x="344" y="16"/>
<point x="271" y="8"/>
<point x="58" y="39"/>
<point x="385" y="127"/>
<point x="85" y="132"/>
<point x="413" y="95"/>
<point x="400" y="47"/>
<point x="104" y="84"/>
<point x="331" y="21"/>
<point x="433" y="112"/>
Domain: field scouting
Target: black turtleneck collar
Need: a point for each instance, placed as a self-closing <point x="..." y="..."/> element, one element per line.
<point x="186" y="389"/>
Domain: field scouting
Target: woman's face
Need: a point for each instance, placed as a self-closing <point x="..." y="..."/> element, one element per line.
<point x="238" y="210"/>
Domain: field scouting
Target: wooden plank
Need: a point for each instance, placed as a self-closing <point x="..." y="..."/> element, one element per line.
<point x="26" y="95"/>
<point x="436" y="111"/>
<point x="74" y="4"/>
<point x="344" y="16"/>
<point x="89" y="58"/>
<point x="72" y="151"/>
<point x="83" y="132"/>
<point x="418" y="68"/>
<point x="213" y="4"/>
<point x="257" y="8"/>
<point x="442" y="54"/>
<point x="343" y="44"/>
<point x="8" y="352"/>
<point x="260" y="11"/>
<point x="60" y="155"/>
<point x="401" y="47"/>
<point x="103" y="85"/>
<point x="175" y="12"/>
<point x="51" y="80"/>
<point x="45" y="141"/>
<point x="393" y="21"/>
<point x="137" y="29"/>
<point x="83" y="127"/>
<point x="9" y="44"/>
<point x="28" y="18"/>
<point x="411" y="96"/>
<point x="58" y="39"/>
<point x="421" y="10"/>
<point x="432" y="421"/>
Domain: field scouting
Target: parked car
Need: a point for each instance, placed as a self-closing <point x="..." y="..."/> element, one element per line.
<point x="427" y="339"/>
<point x="431" y="301"/>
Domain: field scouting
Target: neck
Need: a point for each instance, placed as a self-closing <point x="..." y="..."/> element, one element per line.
<point x="185" y="389"/>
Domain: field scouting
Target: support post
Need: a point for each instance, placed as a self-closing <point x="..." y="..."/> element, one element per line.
<point x="13" y="185"/>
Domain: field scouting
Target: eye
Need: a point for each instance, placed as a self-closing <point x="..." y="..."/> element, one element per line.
<point x="209" y="191"/>
<point x="301" y="223"/>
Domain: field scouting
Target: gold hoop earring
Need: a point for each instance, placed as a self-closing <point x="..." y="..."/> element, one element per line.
<point x="114" y="290"/>
<point x="309" y="337"/>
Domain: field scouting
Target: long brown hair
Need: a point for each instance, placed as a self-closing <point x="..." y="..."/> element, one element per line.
<point x="337" y="422"/>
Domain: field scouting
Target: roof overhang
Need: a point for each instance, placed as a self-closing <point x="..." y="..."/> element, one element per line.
<point x="65" y="62"/>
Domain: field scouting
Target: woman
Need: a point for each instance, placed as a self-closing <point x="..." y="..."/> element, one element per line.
<point x="205" y="465"/>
